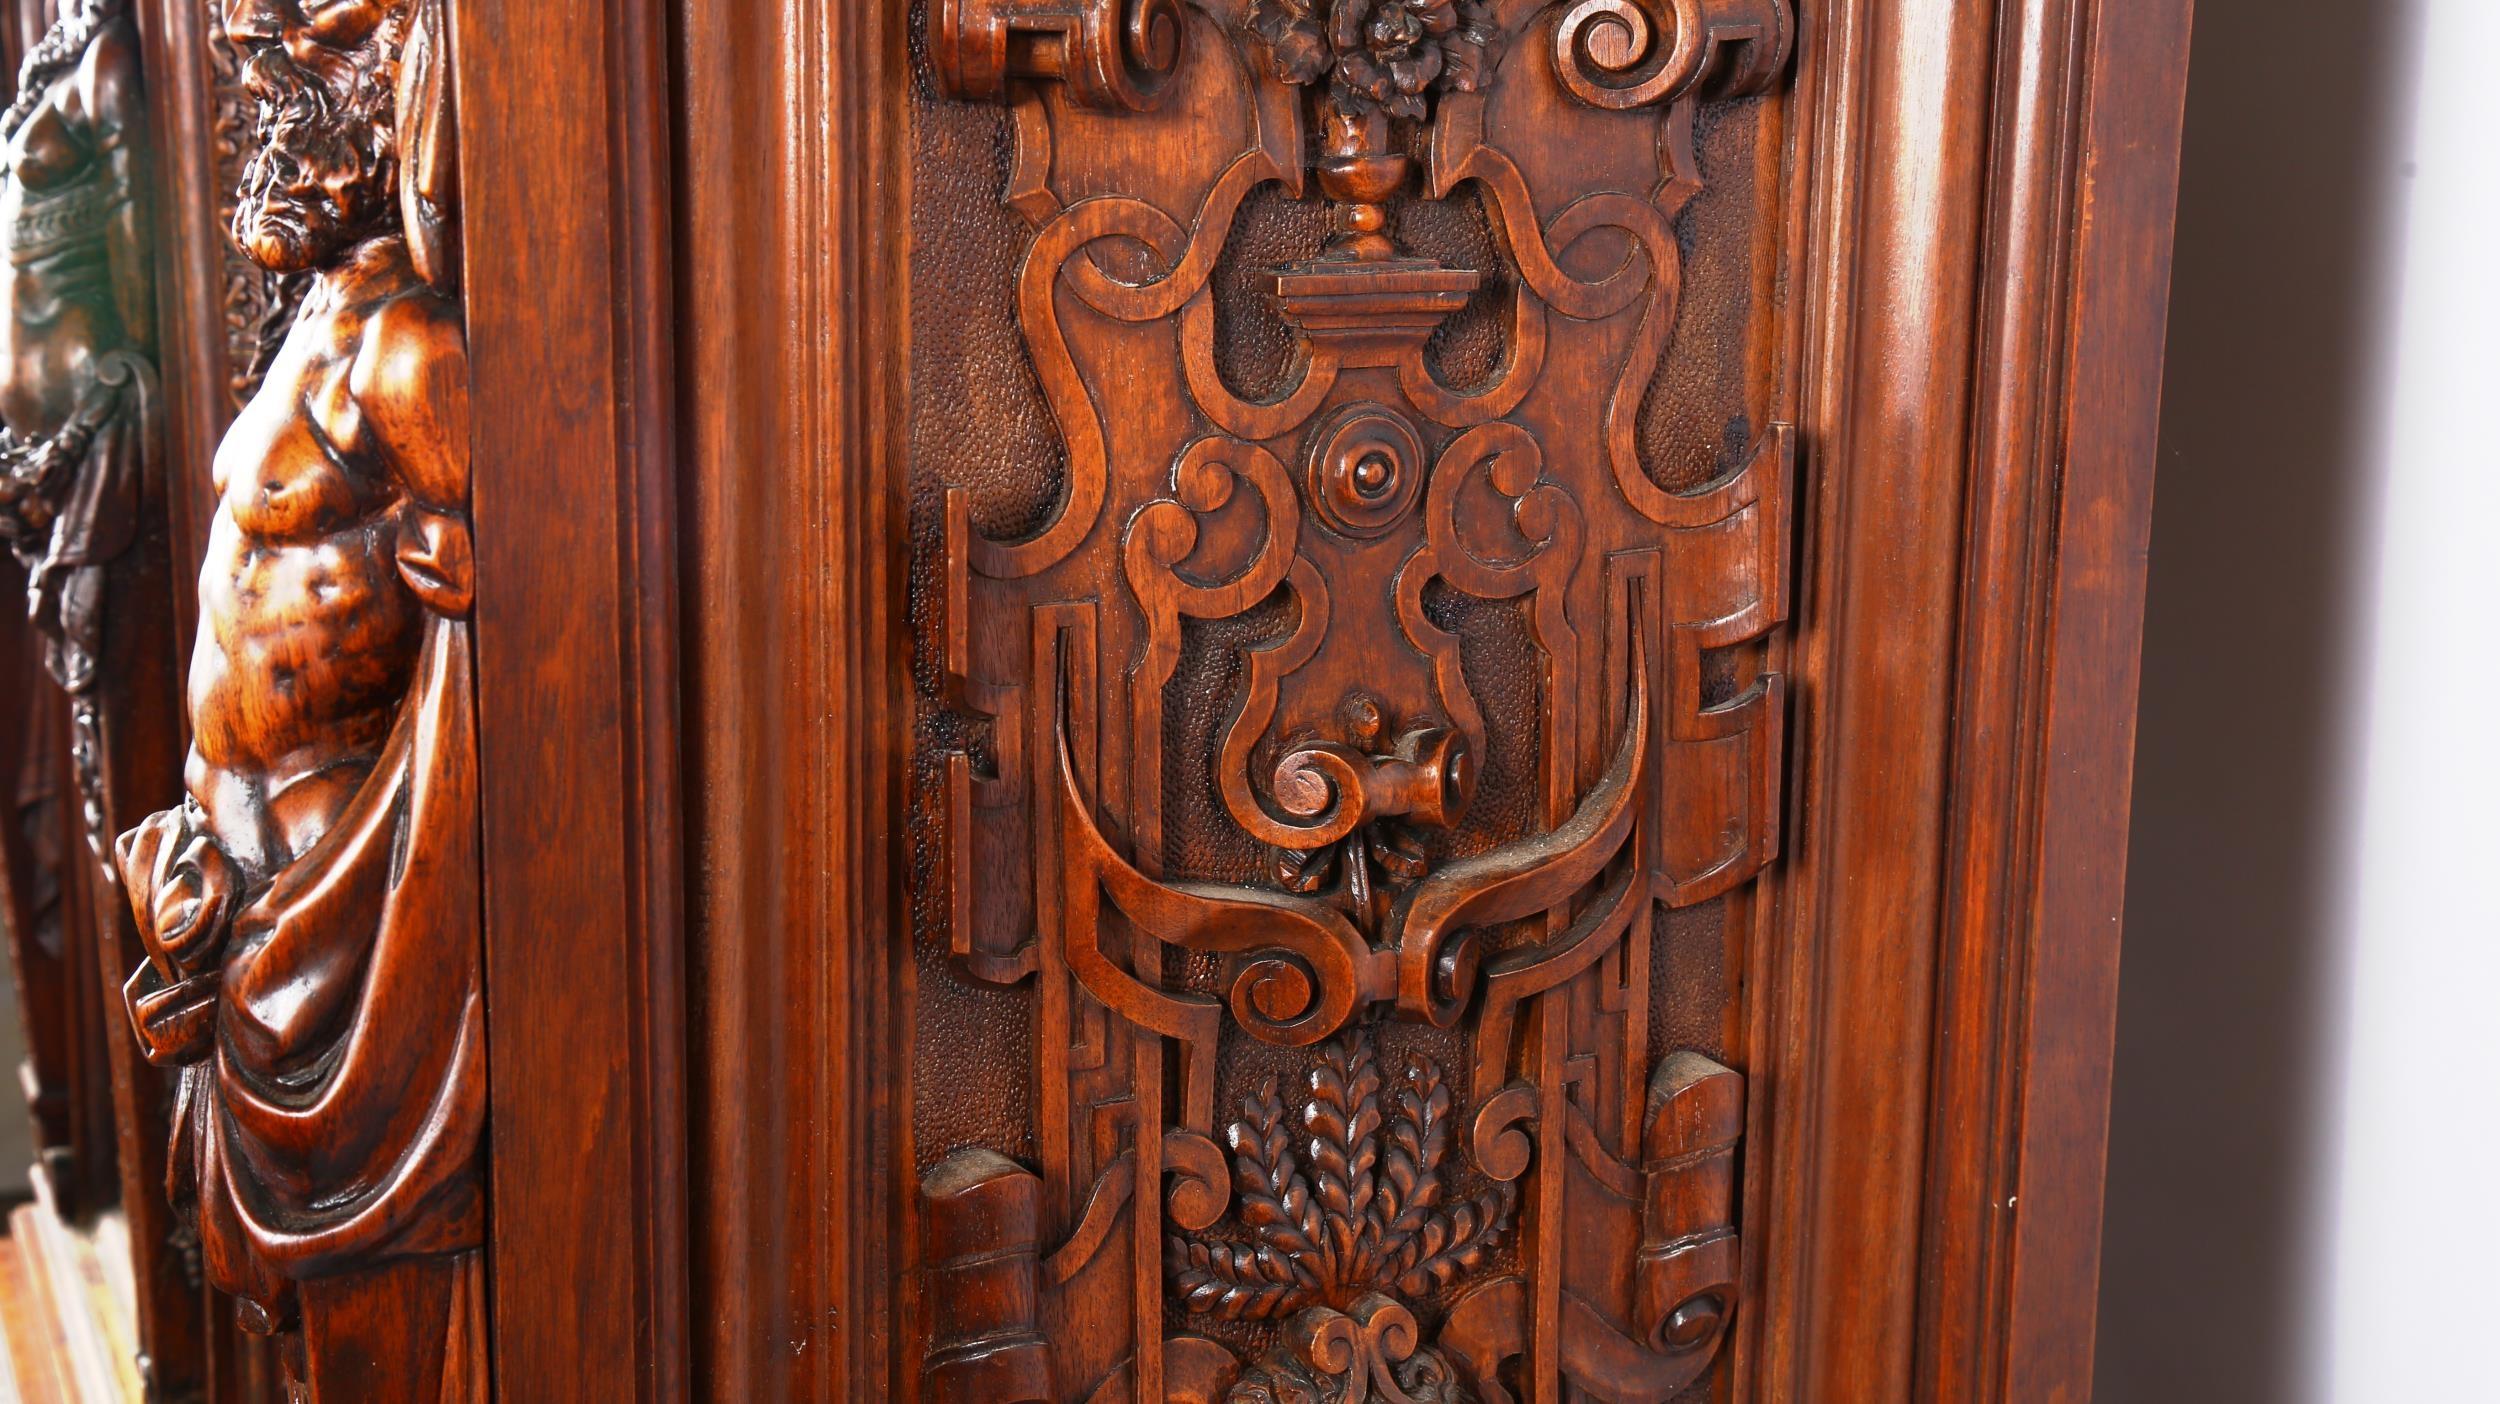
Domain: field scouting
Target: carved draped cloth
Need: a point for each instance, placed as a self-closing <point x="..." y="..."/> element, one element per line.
<point x="338" y="1123"/>
<point x="106" y="452"/>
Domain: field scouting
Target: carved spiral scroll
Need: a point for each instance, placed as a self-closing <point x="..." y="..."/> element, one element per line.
<point x="1305" y="970"/>
<point x="1057" y="253"/>
<point x="1510" y="461"/>
<point x="1654" y="269"/>
<point x="1621" y="54"/>
<point x="1437" y="957"/>
<point x="1164" y="533"/>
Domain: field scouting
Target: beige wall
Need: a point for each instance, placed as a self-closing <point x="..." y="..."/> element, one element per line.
<point x="2307" y="1107"/>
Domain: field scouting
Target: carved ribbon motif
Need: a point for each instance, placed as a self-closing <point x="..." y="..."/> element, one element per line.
<point x="1525" y="1197"/>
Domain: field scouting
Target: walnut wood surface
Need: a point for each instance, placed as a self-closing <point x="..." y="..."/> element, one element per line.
<point x="87" y="513"/>
<point x="310" y="910"/>
<point x="1178" y="699"/>
<point x="1901" y="156"/>
<point x="1376" y="708"/>
<point x="571" y="353"/>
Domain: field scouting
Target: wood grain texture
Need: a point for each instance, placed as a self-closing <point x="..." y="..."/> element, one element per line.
<point x="791" y="346"/>
<point x="1897" y="211"/>
<point x="1355" y="722"/>
<point x="1142" y="725"/>
<point x="309" y="911"/>
<point x="2126" y="200"/>
<point x="1995" y="975"/>
<point x="562" y="173"/>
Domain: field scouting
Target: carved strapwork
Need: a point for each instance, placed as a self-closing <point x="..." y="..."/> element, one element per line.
<point x="309" y="912"/>
<point x="980" y="1232"/>
<point x="1328" y="716"/>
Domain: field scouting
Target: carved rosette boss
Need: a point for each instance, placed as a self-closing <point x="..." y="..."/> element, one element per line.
<point x="310" y="910"/>
<point x="1383" y="1114"/>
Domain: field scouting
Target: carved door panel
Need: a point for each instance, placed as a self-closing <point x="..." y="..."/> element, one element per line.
<point x="1105" y="700"/>
<point x="1353" y="504"/>
<point x="1353" y="485"/>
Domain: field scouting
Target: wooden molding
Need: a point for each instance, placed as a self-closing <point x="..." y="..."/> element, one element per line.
<point x="1993" y="186"/>
<point x="565" y="256"/>
<point x="792" y="522"/>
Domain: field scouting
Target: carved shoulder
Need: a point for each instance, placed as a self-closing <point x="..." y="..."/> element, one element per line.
<point x="410" y="380"/>
<point x="108" y="85"/>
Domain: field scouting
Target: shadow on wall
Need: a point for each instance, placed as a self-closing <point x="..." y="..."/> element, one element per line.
<point x="2260" y="556"/>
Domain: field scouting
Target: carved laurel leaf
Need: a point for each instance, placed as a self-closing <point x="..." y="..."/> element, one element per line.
<point x="1418" y="1140"/>
<point x="1357" y="1206"/>
<point x="1457" y="1242"/>
<point x="1343" y="1118"/>
<point x="1238" y="1281"/>
<point x="1275" y="1202"/>
<point x="1274" y="1273"/>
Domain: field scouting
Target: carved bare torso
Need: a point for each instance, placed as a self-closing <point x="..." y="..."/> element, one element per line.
<point x="309" y="623"/>
<point x="64" y="208"/>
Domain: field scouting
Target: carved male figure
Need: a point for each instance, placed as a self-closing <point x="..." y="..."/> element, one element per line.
<point x="310" y="909"/>
<point x="77" y="390"/>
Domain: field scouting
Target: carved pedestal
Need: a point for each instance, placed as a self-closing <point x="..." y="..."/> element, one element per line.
<point x="1324" y="733"/>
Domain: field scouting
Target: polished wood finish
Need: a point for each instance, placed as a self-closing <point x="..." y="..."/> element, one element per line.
<point x="795" y="686"/>
<point x="89" y="515"/>
<point x="1385" y="700"/>
<point x="1202" y="699"/>
<point x="576" y="638"/>
<point x="1938" y="161"/>
<point x="310" y="911"/>
<point x="46" y="912"/>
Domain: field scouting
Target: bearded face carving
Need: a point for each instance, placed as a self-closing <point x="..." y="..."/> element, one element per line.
<point x="310" y="912"/>
<point x="320" y="177"/>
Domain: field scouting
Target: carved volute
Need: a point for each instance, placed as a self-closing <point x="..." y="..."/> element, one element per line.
<point x="1074" y="701"/>
<point x="1320" y="736"/>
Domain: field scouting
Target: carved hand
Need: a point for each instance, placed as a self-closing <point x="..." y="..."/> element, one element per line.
<point x="183" y="894"/>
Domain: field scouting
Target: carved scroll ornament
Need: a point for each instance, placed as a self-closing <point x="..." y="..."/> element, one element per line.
<point x="310" y="911"/>
<point x="1380" y="1119"/>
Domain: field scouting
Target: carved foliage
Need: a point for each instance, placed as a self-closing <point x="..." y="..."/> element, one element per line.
<point x="1383" y="55"/>
<point x="1329" y="554"/>
<point x="1356" y="1203"/>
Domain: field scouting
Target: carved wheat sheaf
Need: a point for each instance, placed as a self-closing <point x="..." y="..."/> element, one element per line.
<point x="1171" y="876"/>
<point x="1354" y="1204"/>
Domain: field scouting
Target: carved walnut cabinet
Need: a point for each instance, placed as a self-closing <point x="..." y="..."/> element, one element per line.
<point x="1080" y="700"/>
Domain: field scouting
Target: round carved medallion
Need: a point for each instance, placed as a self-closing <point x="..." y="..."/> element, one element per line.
<point x="1366" y="470"/>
